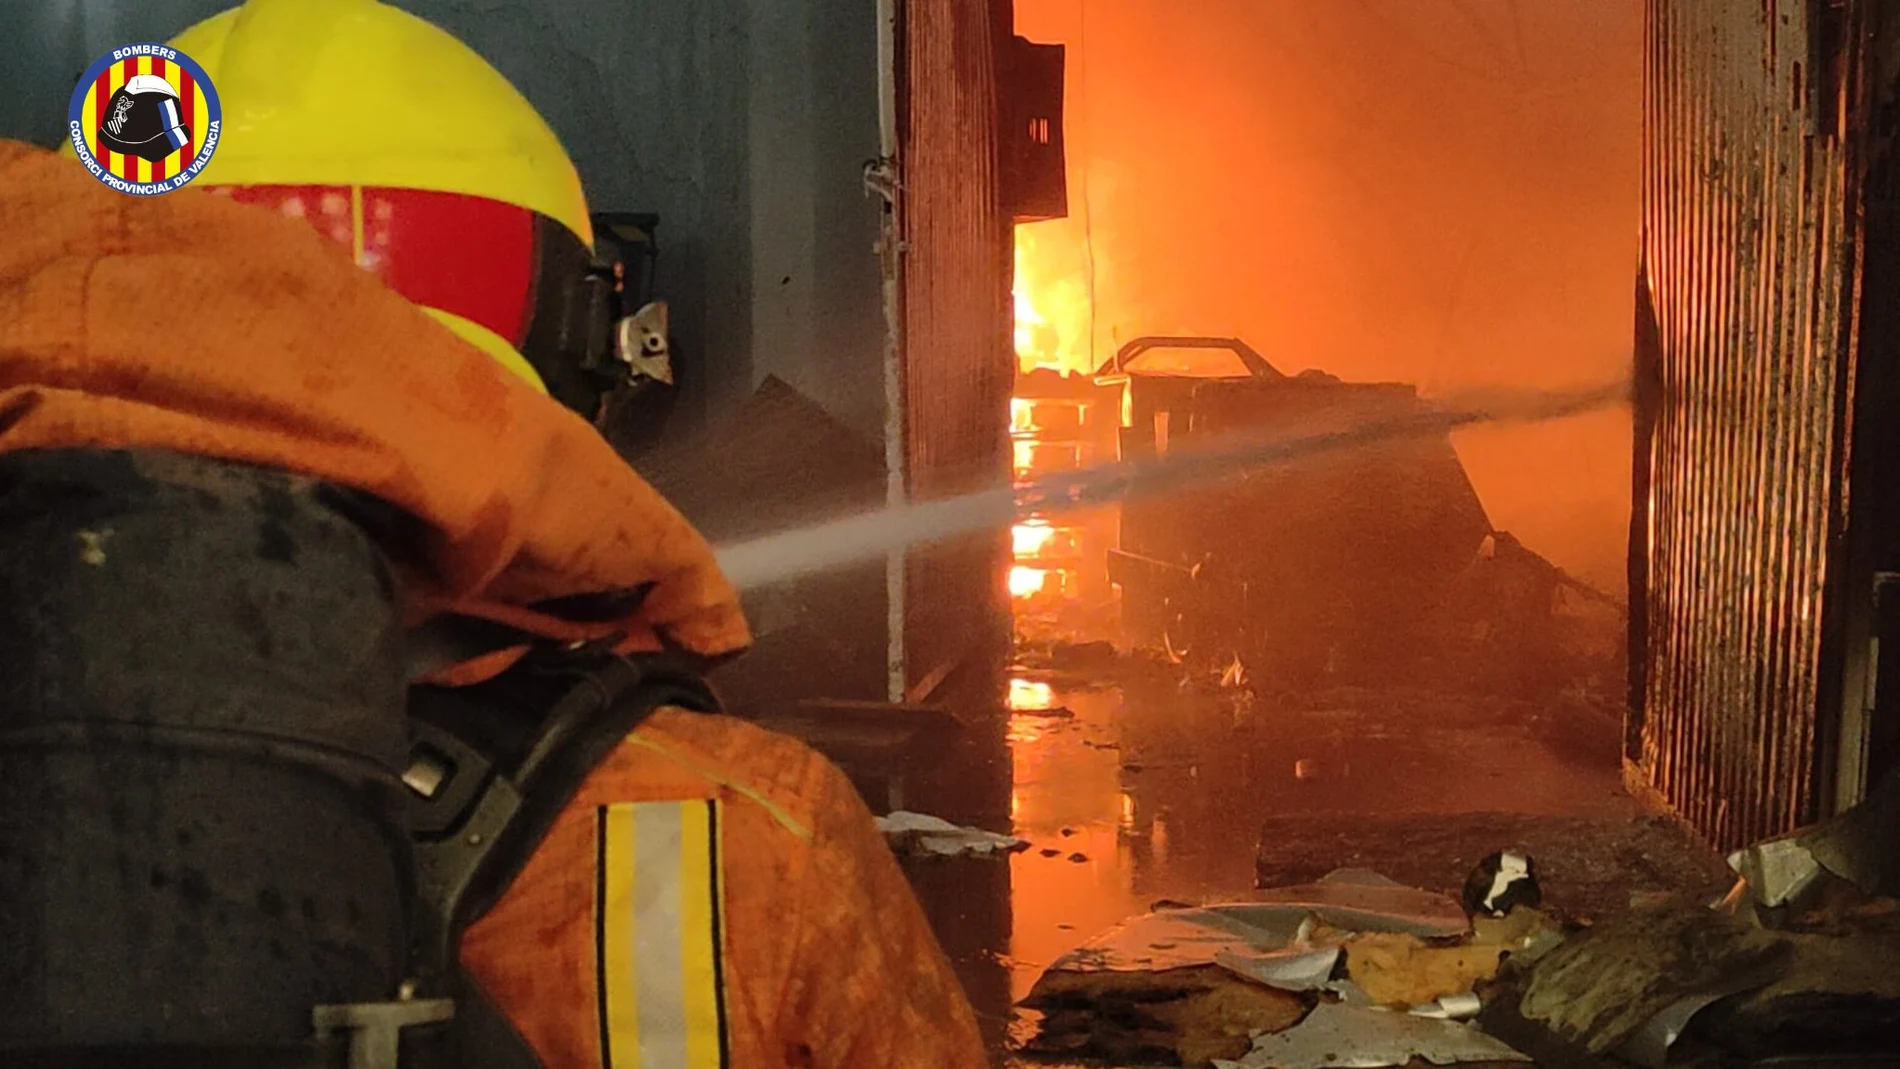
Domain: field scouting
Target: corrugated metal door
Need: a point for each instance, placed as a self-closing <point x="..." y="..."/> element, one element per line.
<point x="958" y="363"/>
<point x="1747" y="358"/>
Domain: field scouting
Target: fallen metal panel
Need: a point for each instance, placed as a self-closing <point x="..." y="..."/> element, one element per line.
<point x="1336" y="1036"/>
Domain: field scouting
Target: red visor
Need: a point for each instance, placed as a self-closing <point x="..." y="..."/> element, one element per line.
<point x="467" y="256"/>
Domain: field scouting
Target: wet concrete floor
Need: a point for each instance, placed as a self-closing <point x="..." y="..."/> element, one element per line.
<point x="1134" y="789"/>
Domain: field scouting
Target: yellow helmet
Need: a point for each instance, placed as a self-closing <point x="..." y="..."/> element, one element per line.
<point x="398" y="140"/>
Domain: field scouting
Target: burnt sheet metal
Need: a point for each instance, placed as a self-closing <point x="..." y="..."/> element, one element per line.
<point x="1745" y="362"/>
<point x="1597" y="990"/>
<point x="1451" y="1007"/>
<point x="1270" y="932"/>
<point x="1649" y="1046"/>
<point x="1860" y="846"/>
<point x="1336" y="1035"/>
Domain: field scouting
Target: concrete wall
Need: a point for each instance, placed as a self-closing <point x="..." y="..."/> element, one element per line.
<point x="743" y="123"/>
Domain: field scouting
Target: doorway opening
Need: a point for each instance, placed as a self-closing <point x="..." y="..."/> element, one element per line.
<point x="1218" y="690"/>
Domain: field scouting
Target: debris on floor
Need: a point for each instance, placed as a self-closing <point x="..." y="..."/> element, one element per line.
<point x="1502" y="882"/>
<point x="1187" y="1016"/>
<point x="1796" y="962"/>
<point x="917" y="834"/>
<point x="1839" y="994"/>
<point x="1424" y="788"/>
<point x="1341" y="1035"/>
<point x="1356" y="970"/>
<point x="1849" y="857"/>
<point x="1234" y="675"/>
<point x="1595" y="994"/>
<point x="1086" y="659"/>
<point x="1053" y="712"/>
<point x="1344" y="903"/>
<point x="1586" y="867"/>
<point x="1229" y="983"/>
<point x="1396" y="969"/>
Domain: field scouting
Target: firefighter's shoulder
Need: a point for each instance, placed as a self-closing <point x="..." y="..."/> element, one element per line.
<point x="677" y="754"/>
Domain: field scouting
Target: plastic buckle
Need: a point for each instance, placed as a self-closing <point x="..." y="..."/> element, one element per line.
<point x="376" y="1028"/>
<point x="573" y="658"/>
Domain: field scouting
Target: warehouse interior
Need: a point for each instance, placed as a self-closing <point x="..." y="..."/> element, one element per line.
<point x="1454" y="206"/>
<point x="1444" y="197"/>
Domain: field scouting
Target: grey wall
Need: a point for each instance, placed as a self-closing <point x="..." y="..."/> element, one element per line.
<point x="817" y="320"/>
<point x="743" y="123"/>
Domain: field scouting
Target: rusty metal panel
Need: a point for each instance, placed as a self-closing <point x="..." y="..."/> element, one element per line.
<point x="1746" y="356"/>
<point x="958" y="362"/>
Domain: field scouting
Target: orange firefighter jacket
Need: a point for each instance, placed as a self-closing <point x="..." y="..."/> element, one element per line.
<point x="827" y="959"/>
<point x="717" y="895"/>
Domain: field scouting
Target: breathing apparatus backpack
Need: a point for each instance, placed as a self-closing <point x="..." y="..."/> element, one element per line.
<point x="230" y="833"/>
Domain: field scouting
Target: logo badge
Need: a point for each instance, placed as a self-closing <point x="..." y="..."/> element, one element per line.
<point x="144" y="119"/>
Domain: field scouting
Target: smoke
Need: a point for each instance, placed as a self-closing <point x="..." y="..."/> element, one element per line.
<point x="1442" y="192"/>
<point x="819" y="547"/>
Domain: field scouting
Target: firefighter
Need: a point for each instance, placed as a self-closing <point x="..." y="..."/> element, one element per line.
<point x="707" y="893"/>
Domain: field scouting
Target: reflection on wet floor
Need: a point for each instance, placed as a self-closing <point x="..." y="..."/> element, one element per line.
<point x="1144" y="789"/>
<point x="1067" y="799"/>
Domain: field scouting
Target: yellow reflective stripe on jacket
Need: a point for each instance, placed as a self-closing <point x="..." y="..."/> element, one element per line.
<point x="657" y="921"/>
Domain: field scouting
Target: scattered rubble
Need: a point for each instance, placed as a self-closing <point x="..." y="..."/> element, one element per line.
<point x="1188" y="1016"/>
<point x="1502" y="881"/>
<point x="1586" y="867"/>
<point x="1195" y="986"/>
<point x="1054" y="712"/>
<point x="1795" y="962"/>
<point x="1339" y="1035"/>
<point x="1838" y="994"/>
<point x="1359" y="970"/>
<point x="1850" y="857"/>
<point x="916" y="834"/>
<point x="1397" y="969"/>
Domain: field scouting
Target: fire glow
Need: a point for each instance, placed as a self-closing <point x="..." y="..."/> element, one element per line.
<point x="1027" y="695"/>
<point x="1030" y="539"/>
<point x="1052" y="314"/>
<point x="1022" y="415"/>
<point x="1053" y="310"/>
<point x="1027" y="582"/>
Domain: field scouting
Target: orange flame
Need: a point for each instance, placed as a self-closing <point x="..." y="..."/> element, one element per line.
<point x="1027" y="582"/>
<point x="1022" y="413"/>
<point x="1052" y="331"/>
<point x="1029" y="539"/>
<point x="1052" y="302"/>
<point x="1027" y="695"/>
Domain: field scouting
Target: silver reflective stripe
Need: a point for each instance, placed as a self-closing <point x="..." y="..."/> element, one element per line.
<point x="659" y="951"/>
